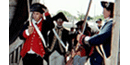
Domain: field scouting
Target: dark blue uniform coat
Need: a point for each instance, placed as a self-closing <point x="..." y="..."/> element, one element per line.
<point x="104" y="37"/>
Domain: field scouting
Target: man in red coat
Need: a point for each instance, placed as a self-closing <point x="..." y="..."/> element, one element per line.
<point x="33" y="50"/>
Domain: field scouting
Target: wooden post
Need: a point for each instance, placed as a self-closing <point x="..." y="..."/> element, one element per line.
<point x="14" y="56"/>
<point x="115" y="34"/>
<point x="10" y="59"/>
<point x="18" y="55"/>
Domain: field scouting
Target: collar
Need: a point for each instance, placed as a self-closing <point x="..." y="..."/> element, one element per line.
<point x="36" y="22"/>
<point x="108" y="19"/>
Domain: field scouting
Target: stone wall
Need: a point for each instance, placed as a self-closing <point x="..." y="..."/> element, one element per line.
<point x="12" y="7"/>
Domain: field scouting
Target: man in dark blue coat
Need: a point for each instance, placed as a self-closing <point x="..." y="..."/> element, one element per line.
<point x="62" y="33"/>
<point x="104" y="36"/>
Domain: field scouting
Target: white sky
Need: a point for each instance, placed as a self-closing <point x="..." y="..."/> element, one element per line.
<point x="72" y="6"/>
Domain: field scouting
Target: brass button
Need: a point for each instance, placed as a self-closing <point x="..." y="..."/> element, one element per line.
<point x="32" y="41"/>
<point x="95" y="59"/>
<point x="39" y="43"/>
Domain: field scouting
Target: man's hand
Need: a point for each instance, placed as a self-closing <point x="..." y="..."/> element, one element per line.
<point x="77" y="46"/>
<point x="30" y="29"/>
<point x="73" y="53"/>
<point x="78" y="36"/>
<point x="45" y="10"/>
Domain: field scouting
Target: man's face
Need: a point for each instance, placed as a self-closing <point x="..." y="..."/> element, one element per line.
<point x="37" y="16"/>
<point x="59" y="22"/>
<point x="106" y="13"/>
<point x="99" y="22"/>
<point x="80" y="27"/>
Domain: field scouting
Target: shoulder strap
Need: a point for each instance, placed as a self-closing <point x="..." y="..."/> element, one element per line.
<point x="102" y="50"/>
<point x="58" y="38"/>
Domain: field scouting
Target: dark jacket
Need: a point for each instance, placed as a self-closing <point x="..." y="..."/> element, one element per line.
<point x="65" y="38"/>
<point x="104" y="37"/>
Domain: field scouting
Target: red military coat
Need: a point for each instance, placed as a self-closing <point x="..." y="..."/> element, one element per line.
<point x="33" y="42"/>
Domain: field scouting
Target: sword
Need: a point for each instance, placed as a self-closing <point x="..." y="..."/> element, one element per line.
<point x="29" y="13"/>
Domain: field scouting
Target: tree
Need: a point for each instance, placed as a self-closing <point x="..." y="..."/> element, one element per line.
<point x="81" y="16"/>
<point x="99" y="16"/>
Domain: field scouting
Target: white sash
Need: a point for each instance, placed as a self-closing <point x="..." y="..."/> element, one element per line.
<point x="58" y="38"/>
<point x="39" y="33"/>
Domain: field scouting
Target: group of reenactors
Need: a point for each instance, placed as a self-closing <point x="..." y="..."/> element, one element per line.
<point x="45" y="40"/>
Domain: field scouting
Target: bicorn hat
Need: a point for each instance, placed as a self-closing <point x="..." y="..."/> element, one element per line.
<point x="60" y="15"/>
<point x="107" y="5"/>
<point x="37" y="7"/>
<point x="99" y="20"/>
<point x="79" y="23"/>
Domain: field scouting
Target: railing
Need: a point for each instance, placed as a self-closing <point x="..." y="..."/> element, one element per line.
<point x="14" y="52"/>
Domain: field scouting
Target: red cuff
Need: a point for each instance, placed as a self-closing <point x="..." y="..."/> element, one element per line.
<point x="47" y="14"/>
<point x="91" y="51"/>
<point x="81" y="38"/>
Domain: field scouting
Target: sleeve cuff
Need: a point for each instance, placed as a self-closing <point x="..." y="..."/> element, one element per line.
<point x="47" y="14"/>
<point x="27" y="33"/>
<point x="81" y="39"/>
<point x="86" y="39"/>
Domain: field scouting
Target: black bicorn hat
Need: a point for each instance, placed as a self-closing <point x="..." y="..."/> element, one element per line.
<point x="99" y="20"/>
<point x="79" y="23"/>
<point x="107" y="5"/>
<point x="37" y="7"/>
<point x="60" y="15"/>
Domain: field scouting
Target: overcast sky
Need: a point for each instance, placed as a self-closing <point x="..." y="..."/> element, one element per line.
<point x="72" y="6"/>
